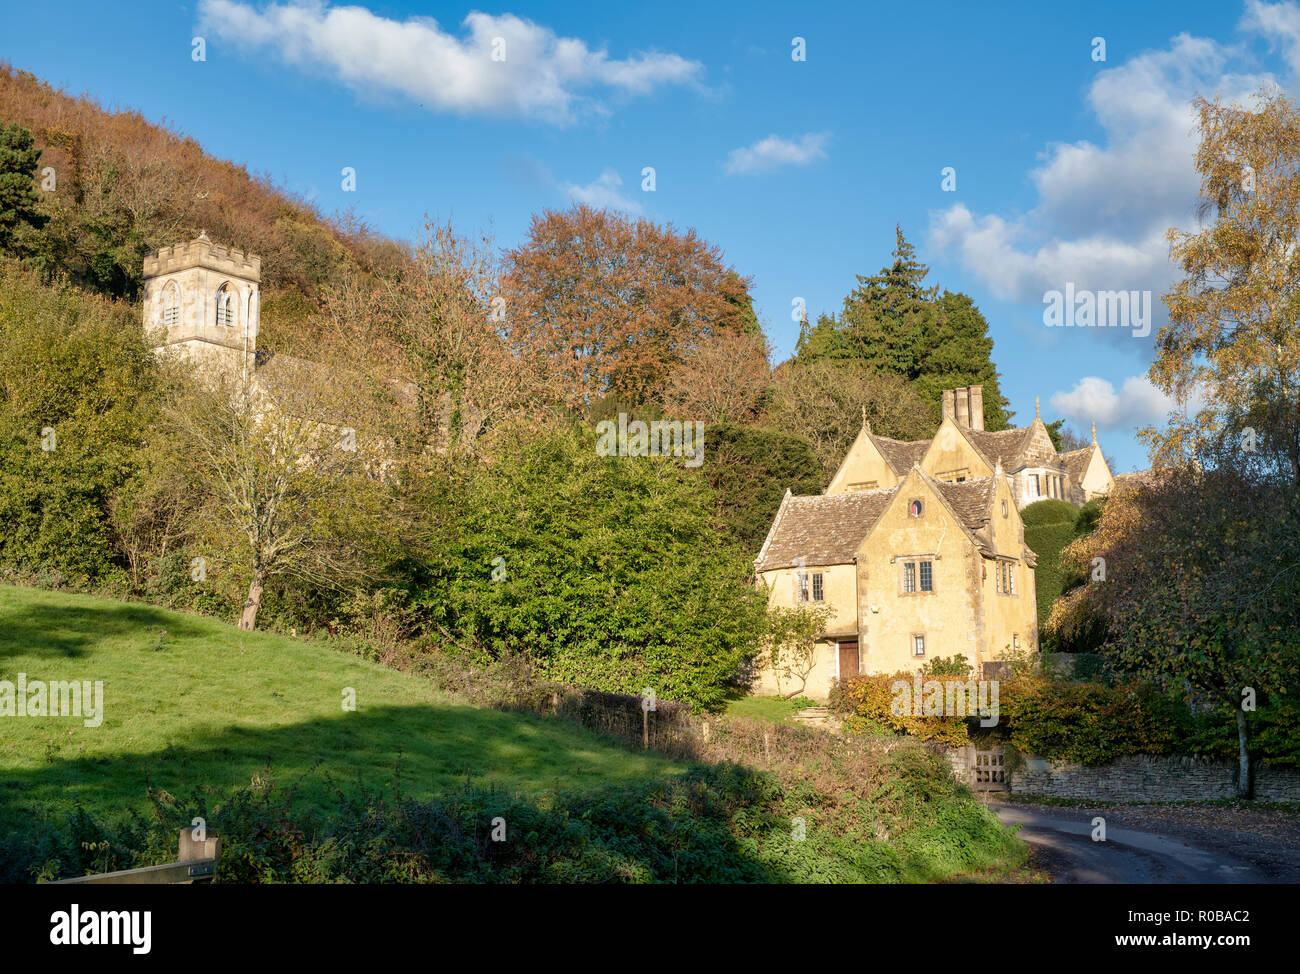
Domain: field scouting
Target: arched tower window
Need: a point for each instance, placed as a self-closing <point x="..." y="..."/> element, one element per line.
<point x="170" y="305"/>
<point x="226" y="306"/>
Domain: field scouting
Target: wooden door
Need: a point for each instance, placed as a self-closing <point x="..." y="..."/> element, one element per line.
<point x="848" y="659"/>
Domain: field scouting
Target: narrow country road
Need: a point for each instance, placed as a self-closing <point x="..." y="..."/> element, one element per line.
<point x="1063" y="846"/>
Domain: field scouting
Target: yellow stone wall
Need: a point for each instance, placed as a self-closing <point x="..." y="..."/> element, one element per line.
<point x="888" y="617"/>
<point x="949" y="451"/>
<point x="964" y="614"/>
<point x="1097" y="478"/>
<point x="862" y="465"/>
<point x="839" y="595"/>
<point x="1008" y="620"/>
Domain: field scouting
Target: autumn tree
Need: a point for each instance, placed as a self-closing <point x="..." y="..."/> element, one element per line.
<point x="286" y="473"/>
<point x="1192" y="580"/>
<point x="1233" y="340"/>
<point x="616" y="303"/>
<point x="125" y="186"/>
<point x="442" y="327"/>
<point x="1201" y="576"/>
<point x="722" y="377"/>
<point x="824" y="400"/>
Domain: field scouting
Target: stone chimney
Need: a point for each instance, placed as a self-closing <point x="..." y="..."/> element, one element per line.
<point x="965" y="406"/>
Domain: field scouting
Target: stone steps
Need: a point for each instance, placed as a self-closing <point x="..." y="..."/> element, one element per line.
<point x="818" y="717"/>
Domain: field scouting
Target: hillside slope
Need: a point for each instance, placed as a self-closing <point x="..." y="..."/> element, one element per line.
<point x="189" y="701"/>
<point x="126" y="186"/>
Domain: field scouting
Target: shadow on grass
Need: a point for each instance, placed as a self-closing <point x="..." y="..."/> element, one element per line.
<point x="640" y="824"/>
<point x="71" y="631"/>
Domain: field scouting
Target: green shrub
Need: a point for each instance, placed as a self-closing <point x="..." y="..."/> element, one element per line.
<point x="1050" y="525"/>
<point x="1049" y="512"/>
<point x="1091" y="723"/>
<point x="724" y="823"/>
<point x="867" y="703"/>
<point x="1089" y="515"/>
<point x="77" y="366"/>
<point x="612" y="574"/>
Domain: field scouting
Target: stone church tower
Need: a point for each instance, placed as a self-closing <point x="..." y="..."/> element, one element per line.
<point x="203" y="302"/>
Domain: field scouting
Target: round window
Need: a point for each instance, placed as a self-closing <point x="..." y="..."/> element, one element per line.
<point x="915" y="508"/>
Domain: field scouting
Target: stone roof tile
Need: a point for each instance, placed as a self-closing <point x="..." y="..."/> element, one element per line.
<point x="825" y="529"/>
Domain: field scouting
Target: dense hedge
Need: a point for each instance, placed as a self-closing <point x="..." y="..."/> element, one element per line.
<point x="1089" y="722"/>
<point x="1049" y="511"/>
<point x="1049" y="527"/>
<point x="866" y="703"/>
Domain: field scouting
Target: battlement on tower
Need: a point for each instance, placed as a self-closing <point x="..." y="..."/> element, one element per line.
<point x="202" y="252"/>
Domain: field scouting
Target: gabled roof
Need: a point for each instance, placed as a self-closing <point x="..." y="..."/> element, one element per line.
<point x="1004" y="446"/>
<point x="969" y="500"/>
<point x="1076" y="462"/>
<point x="901" y="455"/>
<point x="828" y="529"/>
<point x="824" y="529"/>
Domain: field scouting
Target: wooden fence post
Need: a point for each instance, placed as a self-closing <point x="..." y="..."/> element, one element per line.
<point x="190" y="848"/>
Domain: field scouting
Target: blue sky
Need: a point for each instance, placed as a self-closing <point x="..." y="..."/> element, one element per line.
<point x="1068" y="168"/>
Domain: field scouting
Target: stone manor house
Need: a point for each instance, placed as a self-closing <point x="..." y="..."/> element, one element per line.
<point x="917" y="548"/>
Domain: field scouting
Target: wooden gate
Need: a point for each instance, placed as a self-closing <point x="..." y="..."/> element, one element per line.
<point x="988" y="771"/>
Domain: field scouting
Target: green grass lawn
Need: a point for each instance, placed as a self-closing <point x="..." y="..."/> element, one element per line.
<point x="773" y="709"/>
<point x="190" y="701"/>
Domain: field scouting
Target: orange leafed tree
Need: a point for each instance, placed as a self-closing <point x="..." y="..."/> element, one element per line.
<point x="615" y="303"/>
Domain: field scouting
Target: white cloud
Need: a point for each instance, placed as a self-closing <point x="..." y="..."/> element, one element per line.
<point x="1017" y="270"/>
<point x="1278" y="22"/>
<point x="774" y="152"/>
<point x="542" y="76"/>
<point x="603" y="193"/>
<point x="1103" y="209"/>
<point x="1093" y="399"/>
